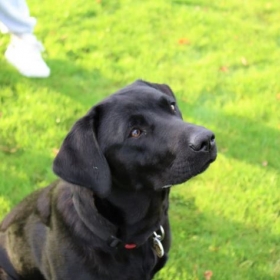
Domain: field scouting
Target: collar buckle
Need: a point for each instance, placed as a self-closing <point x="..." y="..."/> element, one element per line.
<point x="157" y="245"/>
<point x="114" y="241"/>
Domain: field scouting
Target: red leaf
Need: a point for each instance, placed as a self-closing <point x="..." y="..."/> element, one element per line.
<point x="223" y="69"/>
<point x="184" y="41"/>
<point x="208" y="274"/>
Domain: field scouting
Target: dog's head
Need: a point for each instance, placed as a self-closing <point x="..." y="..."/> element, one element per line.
<point x="134" y="139"/>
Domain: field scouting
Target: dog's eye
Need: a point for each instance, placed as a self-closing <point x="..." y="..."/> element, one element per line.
<point x="135" y="133"/>
<point x="172" y="106"/>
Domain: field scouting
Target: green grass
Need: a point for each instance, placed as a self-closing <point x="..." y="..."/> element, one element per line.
<point x="221" y="58"/>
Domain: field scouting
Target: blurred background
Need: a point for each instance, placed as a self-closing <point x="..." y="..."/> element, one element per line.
<point x="221" y="58"/>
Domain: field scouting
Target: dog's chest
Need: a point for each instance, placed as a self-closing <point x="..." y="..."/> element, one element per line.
<point x="135" y="264"/>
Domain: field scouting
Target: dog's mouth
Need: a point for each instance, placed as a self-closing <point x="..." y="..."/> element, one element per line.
<point x="181" y="175"/>
<point x="206" y="165"/>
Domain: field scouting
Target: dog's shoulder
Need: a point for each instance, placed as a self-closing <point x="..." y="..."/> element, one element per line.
<point x="38" y="202"/>
<point x="44" y="202"/>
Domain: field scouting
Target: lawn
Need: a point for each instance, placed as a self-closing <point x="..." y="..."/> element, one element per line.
<point x="222" y="60"/>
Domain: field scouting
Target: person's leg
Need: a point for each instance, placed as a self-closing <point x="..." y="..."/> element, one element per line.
<point x="24" y="51"/>
<point x="14" y="14"/>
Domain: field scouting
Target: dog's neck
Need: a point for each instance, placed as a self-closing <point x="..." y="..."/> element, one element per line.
<point x="135" y="215"/>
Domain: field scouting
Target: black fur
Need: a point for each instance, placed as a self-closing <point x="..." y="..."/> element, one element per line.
<point x="111" y="183"/>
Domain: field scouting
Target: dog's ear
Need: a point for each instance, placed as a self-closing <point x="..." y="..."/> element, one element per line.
<point x="80" y="160"/>
<point x="161" y="87"/>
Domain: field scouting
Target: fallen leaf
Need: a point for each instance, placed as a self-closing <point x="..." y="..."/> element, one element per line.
<point x="224" y="69"/>
<point x="184" y="41"/>
<point x="264" y="163"/>
<point x="8" y="150"/>
<point x="208" y="274"/>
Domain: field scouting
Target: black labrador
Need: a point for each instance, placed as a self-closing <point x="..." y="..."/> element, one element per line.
<point x="106" y="218"/>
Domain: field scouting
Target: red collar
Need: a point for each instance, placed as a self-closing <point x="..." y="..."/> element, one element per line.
<point x="130" y="246"/>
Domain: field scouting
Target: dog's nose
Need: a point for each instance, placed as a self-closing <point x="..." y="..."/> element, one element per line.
<point x="202" y="141"/>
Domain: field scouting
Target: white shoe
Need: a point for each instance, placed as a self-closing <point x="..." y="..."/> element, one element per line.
<point x="24" y="53"/>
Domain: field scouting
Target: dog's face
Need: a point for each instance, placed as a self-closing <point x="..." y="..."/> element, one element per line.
<point x="135" y="139"/>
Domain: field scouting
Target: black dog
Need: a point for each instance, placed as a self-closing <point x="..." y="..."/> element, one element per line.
<point x="107" y="217"/>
